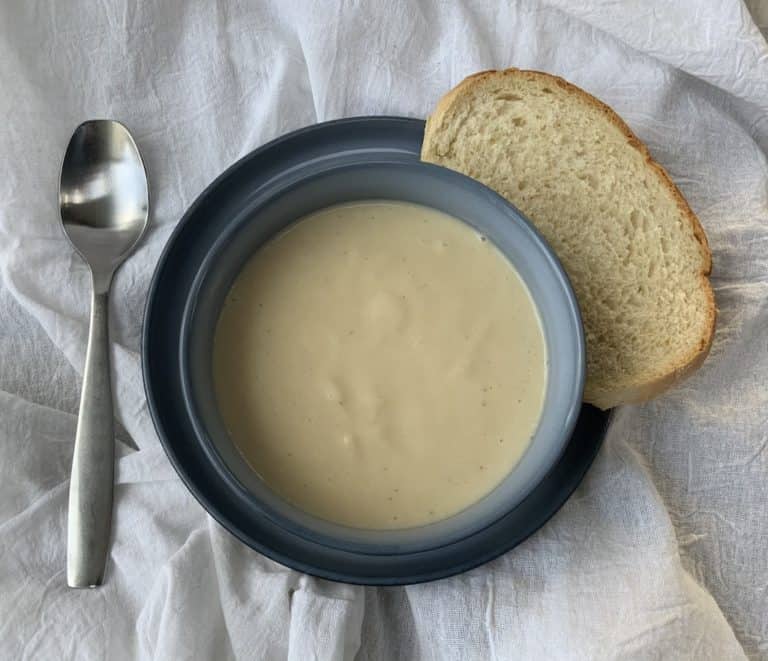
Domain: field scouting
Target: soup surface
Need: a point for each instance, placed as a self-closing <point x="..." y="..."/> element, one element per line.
<point x="380" y="365"/>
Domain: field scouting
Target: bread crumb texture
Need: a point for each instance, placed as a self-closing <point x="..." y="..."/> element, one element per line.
<point x="636" y="254"/>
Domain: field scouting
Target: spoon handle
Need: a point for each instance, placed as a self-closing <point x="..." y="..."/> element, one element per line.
<point x="92" y="481"/>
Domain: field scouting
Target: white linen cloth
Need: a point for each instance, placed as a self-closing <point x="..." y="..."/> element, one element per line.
<point x="662" y="553"/>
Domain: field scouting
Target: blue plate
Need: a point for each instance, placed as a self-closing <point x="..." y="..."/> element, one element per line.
<point x="178" y="294"/>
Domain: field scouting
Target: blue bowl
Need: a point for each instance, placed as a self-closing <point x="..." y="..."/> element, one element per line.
<point x="365" y="158"/>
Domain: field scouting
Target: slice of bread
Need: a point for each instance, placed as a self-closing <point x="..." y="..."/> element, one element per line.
<point x="636" y="254"/>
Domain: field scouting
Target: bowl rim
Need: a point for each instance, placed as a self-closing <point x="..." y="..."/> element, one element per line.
<point x="385" y="544"/>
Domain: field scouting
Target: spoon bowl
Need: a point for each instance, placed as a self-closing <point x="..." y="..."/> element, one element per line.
<point x="103" y="193"/>
<point x="104" y="202"/>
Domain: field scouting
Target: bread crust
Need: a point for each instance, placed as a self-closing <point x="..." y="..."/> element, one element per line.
<point x="642" y="391"/>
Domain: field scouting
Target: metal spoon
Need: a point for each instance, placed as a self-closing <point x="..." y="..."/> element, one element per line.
<point x="104" y="202"/>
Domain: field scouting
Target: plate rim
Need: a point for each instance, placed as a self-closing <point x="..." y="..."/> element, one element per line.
<point x="493" y="551"/>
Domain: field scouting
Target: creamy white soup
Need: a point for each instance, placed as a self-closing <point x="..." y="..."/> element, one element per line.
<point x="380" y="365"/>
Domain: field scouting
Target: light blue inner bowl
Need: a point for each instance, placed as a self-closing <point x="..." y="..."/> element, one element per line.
<point x="324" y="183"/>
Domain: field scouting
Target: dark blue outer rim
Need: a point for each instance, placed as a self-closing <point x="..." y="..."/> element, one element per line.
<point x="579" y="454"/>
